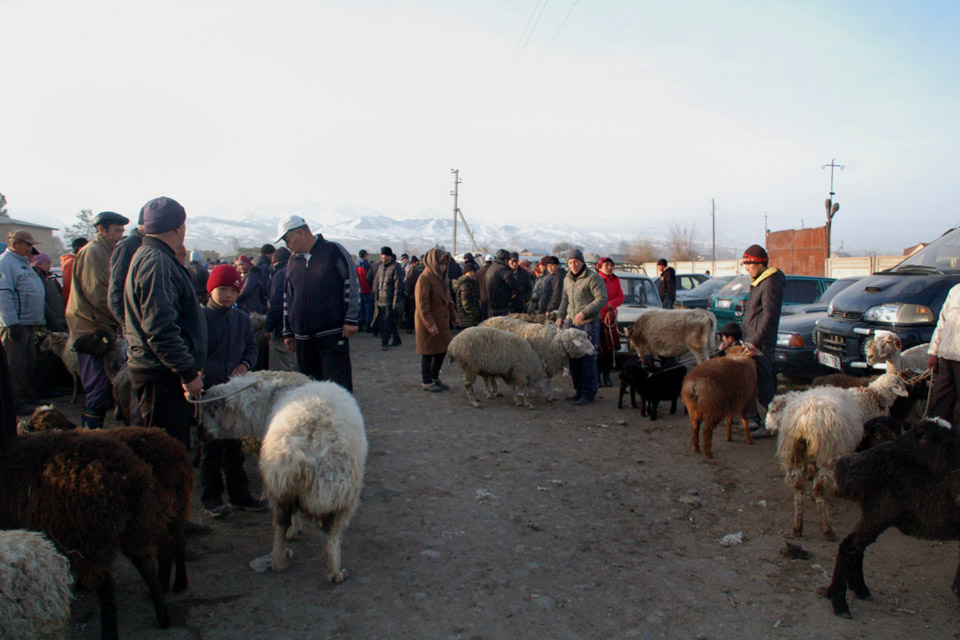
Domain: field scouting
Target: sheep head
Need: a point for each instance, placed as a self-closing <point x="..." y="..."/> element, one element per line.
<point x="219" y="420"/>
<point x="884" y="346"/>
<point x="575" y="343"/>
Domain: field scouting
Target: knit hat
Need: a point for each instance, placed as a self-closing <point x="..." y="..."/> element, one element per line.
<point x="575" y="254"/>
<point x="602" y="260"/>
<point x="39" y="259"/>
<point x="662" y="262"/>
<point x="162" y="214"/>
<point x="386" y="251"/>
<point x="243" y="259"/>
<point x="470" y="267"/>
<point x="755" y="254"/>
<point x="552" y="260"/>
<point x="223" y="275"/>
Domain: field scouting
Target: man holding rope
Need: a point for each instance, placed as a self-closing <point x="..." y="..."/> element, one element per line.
<point x="944" y="360"/>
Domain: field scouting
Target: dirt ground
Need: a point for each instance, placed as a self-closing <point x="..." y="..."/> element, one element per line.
<point x="560" y="522"/>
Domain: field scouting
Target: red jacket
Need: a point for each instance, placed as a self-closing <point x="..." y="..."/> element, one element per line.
<point x="66" y="267"/>
<point x="614" y="294"/>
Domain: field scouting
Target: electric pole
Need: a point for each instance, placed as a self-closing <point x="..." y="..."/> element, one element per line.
<point x="713" y="217"/>
<point x="455" y="193"/>
<point x="832" y="207"/>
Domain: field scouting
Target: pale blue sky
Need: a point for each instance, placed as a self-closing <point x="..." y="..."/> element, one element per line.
<point x="638" y="113"/>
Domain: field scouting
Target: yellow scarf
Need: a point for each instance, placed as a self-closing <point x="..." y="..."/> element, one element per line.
<point x="763" y="276"/>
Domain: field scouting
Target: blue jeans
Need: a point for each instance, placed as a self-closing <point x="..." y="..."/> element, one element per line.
<point x="366" y="311"/>
<point x="584" y="370"/>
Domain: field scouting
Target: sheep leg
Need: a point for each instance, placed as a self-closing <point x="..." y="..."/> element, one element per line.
<point x="796" y="480"/>
<point x="296" y="527"/>
<point x="282" y="516"/>
<point x="180" y="562"/>
<point x="528" y="391"/>
<point x="518" y="398"/>
<point x="468" y="381"/>
<point x="673" y="406"/>
<point x="107" y="595"/>
<point x="708" y="428"/>
<point x="164" y="564"/>
<point x="823" y="511"/>
<point x="148" y="571"/>
<point x="653" y="409"/>
<point x="695" y="420"/>
<point x="623" y="391"/>
<point x="333" y="526"/>
<point x="746" y="429"/>
<point x="643" y="405"/>
<point x="729" y="429"/>
<point x="546" y="385"/>
<point x="848" y="569"/>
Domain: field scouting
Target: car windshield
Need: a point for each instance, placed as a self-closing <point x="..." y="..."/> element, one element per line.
<point x="940" y="256"/>
<point x="708" y="288"/>
<point x="836" y="288"/>
<point x="639" y="291"/>
<point x="739" y="286"/>
<point x="798" y="291"/>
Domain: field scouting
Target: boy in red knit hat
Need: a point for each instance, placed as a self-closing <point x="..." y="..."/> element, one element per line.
<point x="231" y="351"/>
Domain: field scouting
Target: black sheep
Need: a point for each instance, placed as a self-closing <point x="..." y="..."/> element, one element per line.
<point x="653" y="382"/>
<point x="909" y="483"/>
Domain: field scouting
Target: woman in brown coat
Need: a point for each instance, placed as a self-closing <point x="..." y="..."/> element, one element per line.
<point x="434" y="312"/>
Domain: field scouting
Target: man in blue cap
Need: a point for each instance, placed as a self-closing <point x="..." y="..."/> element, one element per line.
<point x="93" y="328"/>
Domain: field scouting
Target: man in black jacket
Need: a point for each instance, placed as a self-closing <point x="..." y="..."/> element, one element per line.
<point x="761" y="318"/>
<point x="164" y="326"/>
<point x="321" y="303"/>
<point x="280" y="358"/>
<point x="500" y="287"/>
<point x="668" y="284"/>
<point x="552" y="292"/>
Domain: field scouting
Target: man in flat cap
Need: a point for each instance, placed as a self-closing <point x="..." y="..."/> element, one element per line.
<point x="22" y="303"/>
<point x="93" y="328"/>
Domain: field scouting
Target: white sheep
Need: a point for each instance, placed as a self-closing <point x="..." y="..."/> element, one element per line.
<point x="819" y="426"/>
<point x="555" y="346"/>
<point x="489" y="352"/>
<point x="313" y="454"/>
<point x="35" y="586"/>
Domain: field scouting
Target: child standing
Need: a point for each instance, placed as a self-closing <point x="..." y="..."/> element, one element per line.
<point x="231" y="351"/>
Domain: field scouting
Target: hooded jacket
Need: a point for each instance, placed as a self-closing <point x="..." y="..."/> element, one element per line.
<point x="434" y="307"/>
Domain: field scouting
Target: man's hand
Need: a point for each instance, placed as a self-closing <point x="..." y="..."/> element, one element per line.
<point x="560" y="322"/>
<point x="578" y="319"/>
<point x="193" y="388"/>
<point x="933" y="363"/>
<point x="290" y="344"/>
<point x="349" y="330"/>
<point x="433" y="330"/>
<point x="750" y="349"/>
<point x="239" y="370"/>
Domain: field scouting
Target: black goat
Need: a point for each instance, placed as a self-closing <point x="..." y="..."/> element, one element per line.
<point x="654" y="383"/>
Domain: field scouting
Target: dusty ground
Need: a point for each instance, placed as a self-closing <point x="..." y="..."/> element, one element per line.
<point x="561" y="522"/>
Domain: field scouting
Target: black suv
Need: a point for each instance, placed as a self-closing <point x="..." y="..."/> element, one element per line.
<point x="905" y="300"/>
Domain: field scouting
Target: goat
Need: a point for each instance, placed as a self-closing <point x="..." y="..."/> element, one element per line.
<point x="716" y="390"/>
<point x="653" y="383"/>
<point x="673" y="332"/>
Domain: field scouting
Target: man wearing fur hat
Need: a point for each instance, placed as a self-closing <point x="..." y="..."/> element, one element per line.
<point x="761" y="318"/>
<point x="93" y="328"/>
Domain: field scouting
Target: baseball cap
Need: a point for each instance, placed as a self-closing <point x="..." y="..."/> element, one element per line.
<point x="21" y="235"/>
<point x="288" y="223"/>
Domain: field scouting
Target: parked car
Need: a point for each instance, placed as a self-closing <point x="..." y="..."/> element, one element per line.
<point x="820" y="306"/>
<point x="796" y="346"/>
<point x="728" y="303"/>
<point x="639" y="294"/>
<point x="905" y="300"/>
<point x="699" y="296"/>
<point x="685" y="281"/>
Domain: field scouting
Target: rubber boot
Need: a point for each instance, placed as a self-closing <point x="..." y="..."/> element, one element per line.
<point x="93" y="418"/>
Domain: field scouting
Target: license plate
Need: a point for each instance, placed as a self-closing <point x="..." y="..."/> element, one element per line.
<point x="723" y="304"/>
<point x="828" y="360"/>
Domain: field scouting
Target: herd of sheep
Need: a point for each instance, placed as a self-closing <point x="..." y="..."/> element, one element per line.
<point x="60" y="480"/>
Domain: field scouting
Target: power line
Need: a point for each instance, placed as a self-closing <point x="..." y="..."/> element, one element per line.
<point x="534" y="28"/>
<point x="524" y="32"/>
<point x="557" y="32"/>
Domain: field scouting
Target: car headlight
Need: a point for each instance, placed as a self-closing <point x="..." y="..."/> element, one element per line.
<point x="789" y="340"/>
<point x="898" y="313"/>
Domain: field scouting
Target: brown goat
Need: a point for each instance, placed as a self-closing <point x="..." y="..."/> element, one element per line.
<point x="173" y="484"/>
<point x="716" y="390"/>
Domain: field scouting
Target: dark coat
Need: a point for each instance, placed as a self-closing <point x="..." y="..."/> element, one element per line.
<point x="254" y="292"/>
<point x="552" y="291"/>
<point x="668" y="285"/>
<point x="466" y="292"/>
<point x="500" y="287"/>
<point x="761" y="314"/>
<point x="274" y="320"/>
<point x="321" y="295"/>
<point x="198" y="275"/>
<point x="164" y="326"/>
<point x="522" y="282"/>
<point x="230" y="340"/>
<point x="119" y="265"/>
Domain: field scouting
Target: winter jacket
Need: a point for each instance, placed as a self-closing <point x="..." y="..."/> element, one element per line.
<point x="198" y="276"/>
<point x="434" y="307"/>
<point x="21" y="292"/>
<point x="500" y="287"/>
<point x="454" y="270"/>
<point x="54" y="307"/>
<point x="584" y="293"/>
<point x="482" y="281"/>
<point x="365" y="287"/>
<point x="230" y="342"/>
<point x="946" y="337"/>
<point x="522" y="283"/>
<point x="163" y="324"/>
<point x="552" y="291"/>
<point x="66" y="272"/>
<point x="388" y="286"/>
<point x="119" y="265"/>
<point x="761" y="314"/>
<point x="537" y="293"/>
<point x="274" y="320"/>
<point x="254" y="292"/>
<point x="87" y="308"/>
<point x="614" y="295"/>
<point x="467" y="296"/>
<point x="668" y="285"/>
<point x="321" y="292"/>
<point x="410" y="282"/>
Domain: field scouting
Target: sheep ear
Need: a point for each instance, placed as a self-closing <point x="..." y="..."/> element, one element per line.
<point x="229" y="418"/>
<point x="897" y="343"/>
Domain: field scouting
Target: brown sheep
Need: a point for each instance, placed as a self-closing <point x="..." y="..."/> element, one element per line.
<point x="173" y="478"/>
<point x="716" y="390"/>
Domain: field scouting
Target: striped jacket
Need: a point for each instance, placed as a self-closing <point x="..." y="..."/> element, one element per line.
<point x="321" y="292"/>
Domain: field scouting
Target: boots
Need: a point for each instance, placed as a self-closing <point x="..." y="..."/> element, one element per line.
<point x="93" y="418"/>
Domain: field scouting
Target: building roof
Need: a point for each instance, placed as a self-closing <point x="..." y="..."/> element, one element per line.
<point x="24" y="223"/>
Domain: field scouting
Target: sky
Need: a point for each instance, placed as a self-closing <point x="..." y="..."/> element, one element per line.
<point x="629" y="114"/>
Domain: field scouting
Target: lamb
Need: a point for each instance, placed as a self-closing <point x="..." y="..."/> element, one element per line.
<point x="56" y="343"/>
<point x="673" y="332"/>
<point x="554" y="346"/>
<point x="910" y="484"/>
<point x="313" y="453"/>
<point x="653" y="383"/>
<point x="818" y="426"/>
<point x="173" y="484"/>
<point x="34" y="588"/>
<point x="885" y="346"/>
<point x="716" y="390"/>
<point x="92" y="497"/>
<point x="490" y="352"/>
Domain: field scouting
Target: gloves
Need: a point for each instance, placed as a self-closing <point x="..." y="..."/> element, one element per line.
<point x="933" y="363"/>
<point x="17" y="332"/>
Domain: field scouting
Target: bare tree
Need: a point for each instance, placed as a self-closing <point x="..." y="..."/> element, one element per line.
<point x="83" y="228"/>
<point x="3" y="206"/>
<point x="681" y="244"/>
<point x="641" y="250"/>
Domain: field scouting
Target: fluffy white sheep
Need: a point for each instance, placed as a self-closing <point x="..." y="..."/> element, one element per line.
<point x="555" y="346"/>
<point x="819" y="426"/>
<point x="313" y="454"/>
<point x="489" y="352"/>
<point x="35" y="585"/>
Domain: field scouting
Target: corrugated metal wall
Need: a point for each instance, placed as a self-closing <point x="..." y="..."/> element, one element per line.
<point x="800" y="252"/>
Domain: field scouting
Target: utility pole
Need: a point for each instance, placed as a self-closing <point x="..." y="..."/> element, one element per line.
<point x="455" y="193"/>
<point x="832" y="207"/>
<point x="713" y="216"/>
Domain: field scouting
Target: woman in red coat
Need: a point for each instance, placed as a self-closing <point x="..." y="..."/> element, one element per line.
<point x="609" y="336"/>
